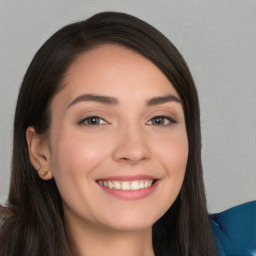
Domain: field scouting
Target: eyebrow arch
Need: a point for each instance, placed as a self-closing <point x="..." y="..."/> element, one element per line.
<point x="98" y="98"/>
<point x="162" y="99"/>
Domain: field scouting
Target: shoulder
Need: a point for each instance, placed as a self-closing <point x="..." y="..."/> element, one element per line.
<point x="235" y="230"/>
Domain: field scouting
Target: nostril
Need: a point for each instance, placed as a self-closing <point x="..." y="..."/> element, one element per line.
<point x="132" y="160"/>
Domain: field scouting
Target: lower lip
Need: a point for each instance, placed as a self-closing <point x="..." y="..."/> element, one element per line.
<point x="131" y="194"/>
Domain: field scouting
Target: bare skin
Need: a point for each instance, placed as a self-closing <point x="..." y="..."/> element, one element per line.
<point x="88" y="240"/>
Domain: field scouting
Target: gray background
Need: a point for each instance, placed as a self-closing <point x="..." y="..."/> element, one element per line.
<point x="218" y="41"/>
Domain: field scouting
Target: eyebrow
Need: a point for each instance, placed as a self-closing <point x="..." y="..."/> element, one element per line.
<point x="162" y="99"/>
<point x="114" y="101"/>
<point x="98" y="98"/>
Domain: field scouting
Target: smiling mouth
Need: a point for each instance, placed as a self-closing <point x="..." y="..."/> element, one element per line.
<point x="126" y="185"/>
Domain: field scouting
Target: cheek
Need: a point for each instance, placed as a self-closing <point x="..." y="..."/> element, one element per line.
<point x="74" y="159"/>
<point x="76" y="156"/>
<point x="173" y="155"/>
<point x="173" y="152"/>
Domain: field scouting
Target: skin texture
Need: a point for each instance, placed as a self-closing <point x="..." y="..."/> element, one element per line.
<point x="127" y="140"/>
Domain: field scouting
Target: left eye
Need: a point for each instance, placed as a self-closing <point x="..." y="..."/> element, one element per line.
<point x="161" y="121"/>
<point x="93" y="121"/>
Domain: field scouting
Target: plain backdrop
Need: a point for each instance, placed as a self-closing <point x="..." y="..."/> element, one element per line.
<point x="218" y="41"/>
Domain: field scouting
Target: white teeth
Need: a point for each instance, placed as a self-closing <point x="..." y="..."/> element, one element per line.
<point x="110" y="185"/>
<point x="135" y="185"/>
<point x="117" y="185"/>
<point x="126" y="185"/>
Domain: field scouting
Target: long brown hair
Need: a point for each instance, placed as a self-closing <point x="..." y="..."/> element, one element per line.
<point x="36" y="226"/>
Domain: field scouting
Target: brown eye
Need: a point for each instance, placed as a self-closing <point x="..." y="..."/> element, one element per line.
<point x="161" y="121"/>
<point x="158" y="121"/>
<point x="93" y="121"/>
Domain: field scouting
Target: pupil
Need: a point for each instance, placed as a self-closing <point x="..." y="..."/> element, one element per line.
<point x="94" y="120"/>
<point x="159" y="120"/>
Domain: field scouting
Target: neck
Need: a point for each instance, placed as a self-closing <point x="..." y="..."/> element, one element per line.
<point x="90" y="240"/>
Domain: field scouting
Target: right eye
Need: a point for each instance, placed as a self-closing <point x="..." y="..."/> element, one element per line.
<point x="92" y="121"/>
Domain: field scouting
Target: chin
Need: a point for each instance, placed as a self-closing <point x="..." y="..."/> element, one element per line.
<point x="131" y="221"/>
<point x="130" y="226"/>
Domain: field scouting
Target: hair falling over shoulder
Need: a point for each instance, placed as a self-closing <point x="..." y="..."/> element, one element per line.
<point x="32" y="224"/>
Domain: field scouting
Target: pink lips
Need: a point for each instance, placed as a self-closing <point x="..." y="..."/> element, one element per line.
<point x="129" y="194"/>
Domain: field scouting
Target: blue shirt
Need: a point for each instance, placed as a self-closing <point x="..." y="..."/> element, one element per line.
<point x="235" y="230"/>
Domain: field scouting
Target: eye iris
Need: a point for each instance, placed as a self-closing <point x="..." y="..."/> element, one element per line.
<point x="159" y="121"/>
<point x="93" y="121"/>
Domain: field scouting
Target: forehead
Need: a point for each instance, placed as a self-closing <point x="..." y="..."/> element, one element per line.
<point x="112" y="69"/>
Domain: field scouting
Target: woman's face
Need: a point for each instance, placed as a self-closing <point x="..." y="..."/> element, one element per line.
<point x="117" y="144"/>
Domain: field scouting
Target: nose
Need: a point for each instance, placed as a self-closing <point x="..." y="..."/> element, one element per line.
<point x="131" y="146"/>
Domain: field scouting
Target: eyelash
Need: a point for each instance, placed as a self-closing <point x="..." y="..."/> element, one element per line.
<point x="170" y="120"/>
<point x="90" y="118"/>
<point x="97" y="120"/>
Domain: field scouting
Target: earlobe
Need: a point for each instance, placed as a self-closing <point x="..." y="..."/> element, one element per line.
<point x="39" y="153"/>
<point x="45" y="175"/>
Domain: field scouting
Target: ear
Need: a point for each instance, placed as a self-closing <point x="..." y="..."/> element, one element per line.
<point x="39" y="153"/>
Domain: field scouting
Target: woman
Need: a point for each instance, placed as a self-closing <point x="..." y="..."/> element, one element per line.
<point x="106" y="148"/>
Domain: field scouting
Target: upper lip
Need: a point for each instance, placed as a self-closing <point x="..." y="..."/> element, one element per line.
<point x="129" y="177"/>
